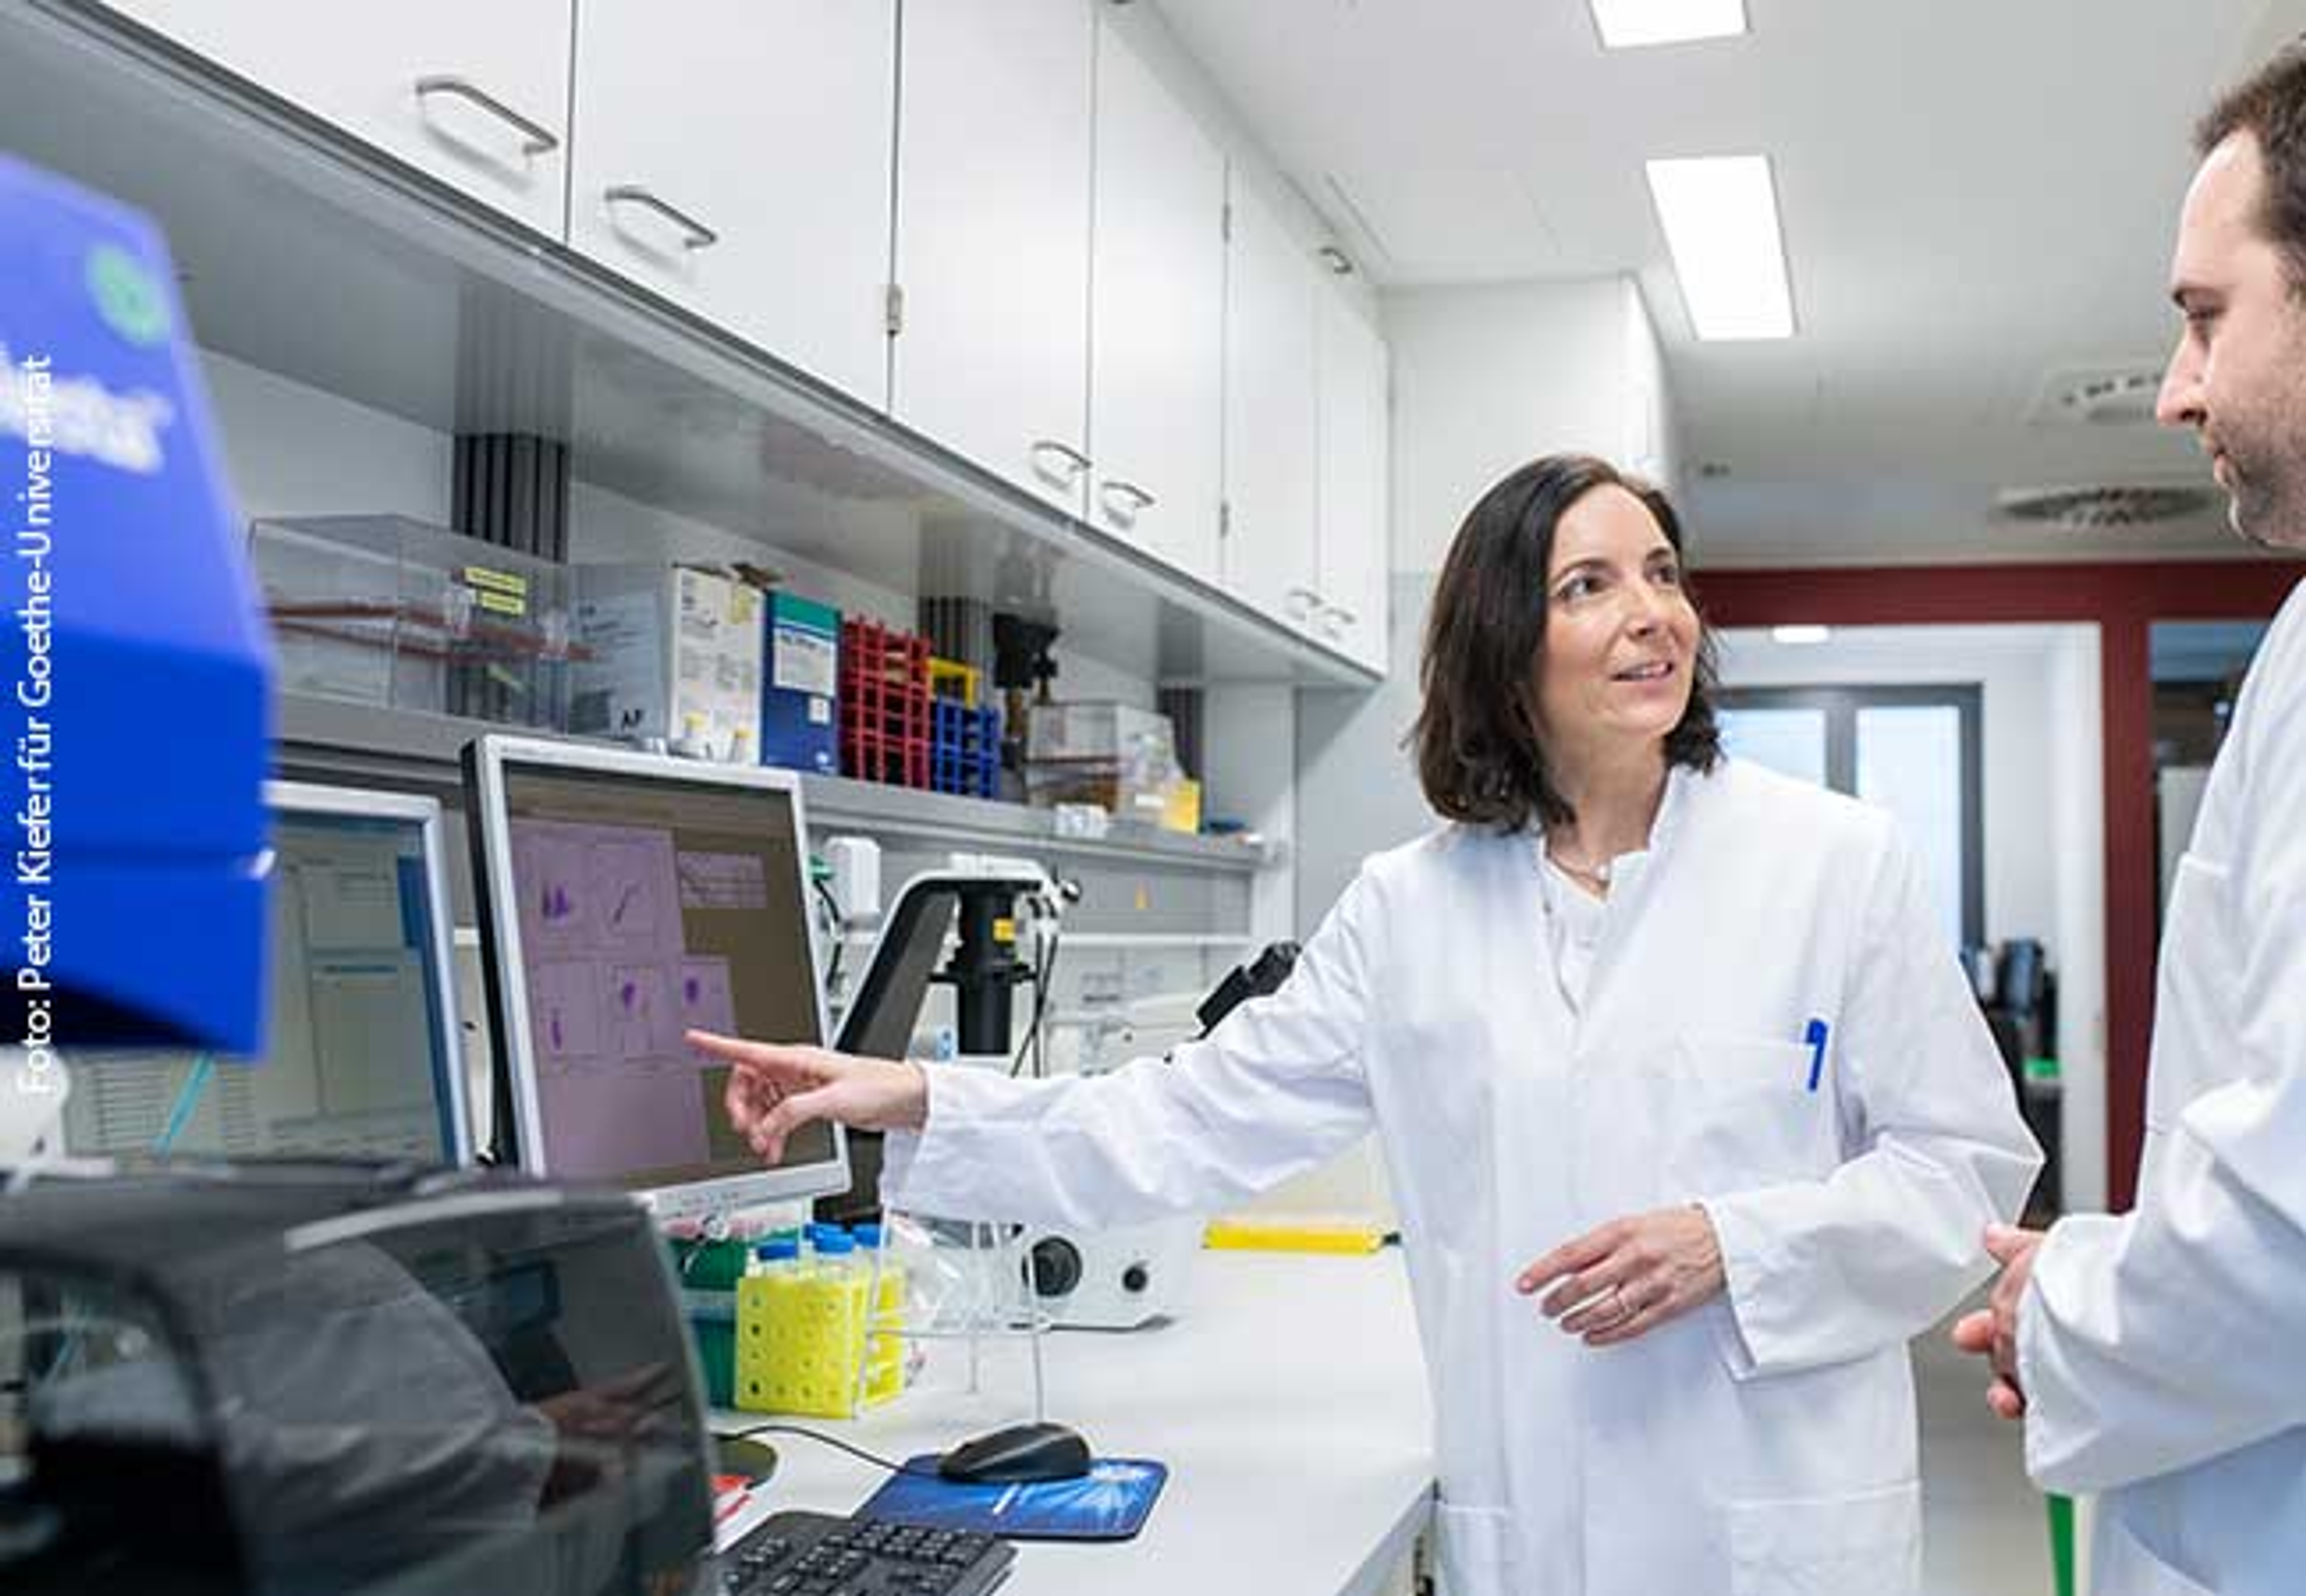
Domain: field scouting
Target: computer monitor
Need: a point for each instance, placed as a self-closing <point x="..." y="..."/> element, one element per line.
<point x="625" y="898"/>
<point x="363" y="1055"/>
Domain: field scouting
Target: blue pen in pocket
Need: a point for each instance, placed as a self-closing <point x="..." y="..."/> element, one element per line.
<point x="1814" y="1038"/>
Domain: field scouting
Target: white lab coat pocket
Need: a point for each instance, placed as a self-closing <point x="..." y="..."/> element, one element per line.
<point x="1868" y="1543"/>
<point x="1745" y="1117"/>
<point x="1477" y="1550"/>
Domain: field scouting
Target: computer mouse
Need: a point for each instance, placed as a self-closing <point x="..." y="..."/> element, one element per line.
<point x="1020" y="1455"/>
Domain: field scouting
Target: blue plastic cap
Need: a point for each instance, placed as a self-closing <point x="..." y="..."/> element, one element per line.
<point x="868" y="1236"/>
<point x="777" y="1248"/>
<point x="837" y="1245"/>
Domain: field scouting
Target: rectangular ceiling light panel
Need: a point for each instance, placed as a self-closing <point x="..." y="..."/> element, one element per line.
<point x="1630" y="24"/>
<point x="1720" y="214"/>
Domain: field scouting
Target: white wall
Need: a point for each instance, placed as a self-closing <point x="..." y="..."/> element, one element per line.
<point x="294" y="451"/>
<point x="1652" y="444"/>
<point x="1248" y="773"/>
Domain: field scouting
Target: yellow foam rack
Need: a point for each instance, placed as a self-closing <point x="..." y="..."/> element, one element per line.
<point x="800" y="1336"/>
<point x="1252" y="1234"/>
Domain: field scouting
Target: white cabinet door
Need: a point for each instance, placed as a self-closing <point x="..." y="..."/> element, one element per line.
<point x="476" y="95"/>
<point x="1355" y="445"/>
<point x="992" y="237"/>
<point x="735" y="159"/>
<point x="1156" y="362"/>
<point x="1270" y="454"/>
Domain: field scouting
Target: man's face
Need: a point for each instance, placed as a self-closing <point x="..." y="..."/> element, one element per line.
<point x="2238" y="376"/>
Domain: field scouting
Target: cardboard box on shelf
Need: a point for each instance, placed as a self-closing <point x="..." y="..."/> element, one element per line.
<point x="675" y="658"/>
<point x="800" y="721"/>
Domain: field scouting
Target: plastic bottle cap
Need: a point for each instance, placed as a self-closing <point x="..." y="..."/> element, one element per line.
<point x="777" y="1248"/>
<point x="868" y="1237"/>
<point x="837" y="1244"/>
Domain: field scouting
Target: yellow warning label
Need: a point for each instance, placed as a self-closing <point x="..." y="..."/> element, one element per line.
<point x="489" y="581"/>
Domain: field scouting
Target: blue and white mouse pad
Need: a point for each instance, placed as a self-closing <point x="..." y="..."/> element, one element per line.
<point x="1109" y="1503"/>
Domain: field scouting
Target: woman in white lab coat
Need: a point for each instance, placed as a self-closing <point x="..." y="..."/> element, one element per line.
<point x="1690" y="1116"/>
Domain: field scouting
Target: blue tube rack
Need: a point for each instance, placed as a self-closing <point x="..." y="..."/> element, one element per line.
<point x="964" y="748"/>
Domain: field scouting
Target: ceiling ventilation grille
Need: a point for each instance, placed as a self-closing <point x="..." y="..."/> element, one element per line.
<point x="2102" y="395"/>
<point x="2104" y="506"/>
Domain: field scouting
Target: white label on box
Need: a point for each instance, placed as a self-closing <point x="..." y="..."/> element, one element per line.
<point x="701" y="602"/>
<point x="820" y="712"/>
<point x="622" y="687"/>
<point x="803" y="662"/>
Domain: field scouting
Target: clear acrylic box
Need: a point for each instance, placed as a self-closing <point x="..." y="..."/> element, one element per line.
<point x="388" y="610"/>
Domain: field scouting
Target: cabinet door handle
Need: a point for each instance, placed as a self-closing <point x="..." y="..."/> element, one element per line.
<point x="1302" y="602"/>
<point x="1133" y="499"/>
<point x="1338" y="613"/>
<point x="1073" y="461"/>
<point x="696" y="234"/>
<point x="536" y="139"/>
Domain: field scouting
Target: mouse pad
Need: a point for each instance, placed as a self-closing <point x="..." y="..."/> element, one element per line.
<point x="1109" y="1503"/>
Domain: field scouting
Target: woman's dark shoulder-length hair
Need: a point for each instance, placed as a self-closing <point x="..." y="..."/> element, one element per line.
<point x="1478" y="755"/>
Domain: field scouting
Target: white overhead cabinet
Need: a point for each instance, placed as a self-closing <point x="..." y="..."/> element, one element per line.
<point x="991" y="218"/>
<point x="736" y="159"/>
<point x="1156" y="362"/>
<point x="1351" y="554"/>
<point x="993" y="238"/>
<point x="1271" y="454"/>
<point x="477" y="95"/>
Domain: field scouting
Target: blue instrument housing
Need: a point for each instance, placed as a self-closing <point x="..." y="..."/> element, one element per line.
<point x="138" y="673"/>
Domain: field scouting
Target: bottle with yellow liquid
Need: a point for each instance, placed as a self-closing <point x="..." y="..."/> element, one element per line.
<point x="884" y="1345"/>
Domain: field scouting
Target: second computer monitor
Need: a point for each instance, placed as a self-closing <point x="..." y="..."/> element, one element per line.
<point x="363" y="1055"/>
<point x="628" y="897"/>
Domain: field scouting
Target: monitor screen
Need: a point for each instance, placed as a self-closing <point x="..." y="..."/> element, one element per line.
<point x="630" y="897"/>
<point x="362" y="1056"/>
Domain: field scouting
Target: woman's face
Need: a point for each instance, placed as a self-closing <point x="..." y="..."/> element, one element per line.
<point x="1621" y="633"/>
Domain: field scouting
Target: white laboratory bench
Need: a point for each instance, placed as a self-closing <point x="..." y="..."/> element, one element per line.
<point x="1287" y="1397"/>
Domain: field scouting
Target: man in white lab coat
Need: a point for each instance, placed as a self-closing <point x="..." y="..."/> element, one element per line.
<point x="2160" y="1357"/>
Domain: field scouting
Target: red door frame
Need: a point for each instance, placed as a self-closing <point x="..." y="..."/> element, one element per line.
<point x="2122" y="600"/>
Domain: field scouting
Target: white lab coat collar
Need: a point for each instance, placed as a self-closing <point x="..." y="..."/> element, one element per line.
<point x="1626" y="868"/>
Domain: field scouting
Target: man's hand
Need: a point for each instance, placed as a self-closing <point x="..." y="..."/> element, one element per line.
<point x="774" y="1091"/>
<point x="1630" y="1276"/>
<point x="1992" y="1332"/>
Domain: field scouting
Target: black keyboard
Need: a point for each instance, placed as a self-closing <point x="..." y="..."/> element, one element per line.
<point x="814" y="1554"/>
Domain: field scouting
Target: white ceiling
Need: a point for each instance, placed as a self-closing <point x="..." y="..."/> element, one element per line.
<point x="1976" y="193"/>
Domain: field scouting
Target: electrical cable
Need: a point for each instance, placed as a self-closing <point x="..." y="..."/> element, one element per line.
<point x="188" y="1098"/>
<point x="839" y="943"/>
<point x="1045" y="964"/>
<point x="878" y="1461"/>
